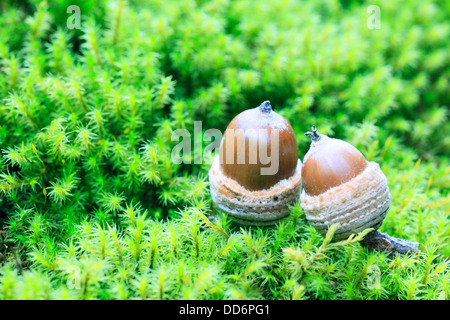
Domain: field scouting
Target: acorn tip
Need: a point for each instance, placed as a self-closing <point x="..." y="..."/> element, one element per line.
<point x="315" y="136"/>
<point x="265" y="106"/>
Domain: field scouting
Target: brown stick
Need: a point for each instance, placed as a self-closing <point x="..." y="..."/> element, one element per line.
<point x="376" y="240"/>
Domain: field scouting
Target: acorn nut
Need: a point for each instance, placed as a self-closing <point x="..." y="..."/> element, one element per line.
<point x="341" y="186"/>
<point x="257" y="174"/>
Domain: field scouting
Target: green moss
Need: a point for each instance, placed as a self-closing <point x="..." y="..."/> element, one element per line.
<point x="92" y="206"/>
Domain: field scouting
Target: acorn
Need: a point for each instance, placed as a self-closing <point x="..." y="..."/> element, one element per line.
<point x="341" y="186"/>
<point x="256" y="176"/>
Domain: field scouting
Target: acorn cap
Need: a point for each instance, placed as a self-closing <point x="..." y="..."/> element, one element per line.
<point x="253" y="207"/>
<point x="251" y="189"/>
<point x="356" y="194"/>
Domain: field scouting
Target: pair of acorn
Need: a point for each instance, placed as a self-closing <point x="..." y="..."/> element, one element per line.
<point x="334" y="183"/>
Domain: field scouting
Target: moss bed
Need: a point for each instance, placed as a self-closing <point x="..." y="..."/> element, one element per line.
<point x="93" y="207"/>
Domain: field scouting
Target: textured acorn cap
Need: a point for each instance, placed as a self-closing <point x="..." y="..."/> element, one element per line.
<point x="253" y="207"/>
<point x="361" y="200"/>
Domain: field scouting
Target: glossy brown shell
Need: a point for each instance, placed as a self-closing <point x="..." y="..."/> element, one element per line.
<point x="330" y="163"/>
<point x="248" y="174"/>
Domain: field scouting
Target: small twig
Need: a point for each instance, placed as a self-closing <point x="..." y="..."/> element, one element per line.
<point x="379" y="241"/>
<point x="315" y="136"/>
<point x="18" y="261"/>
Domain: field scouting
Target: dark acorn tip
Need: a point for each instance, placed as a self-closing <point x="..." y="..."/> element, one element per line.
<point x="265" y="107"/>
<point x="315" y="136"/>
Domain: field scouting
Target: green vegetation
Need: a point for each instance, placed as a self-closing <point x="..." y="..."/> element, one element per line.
<point x="91" y="205"/>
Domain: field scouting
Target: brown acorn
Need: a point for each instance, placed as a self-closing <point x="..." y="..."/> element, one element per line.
<point x="257" y="174"/>
<point x="341" y="186"/>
